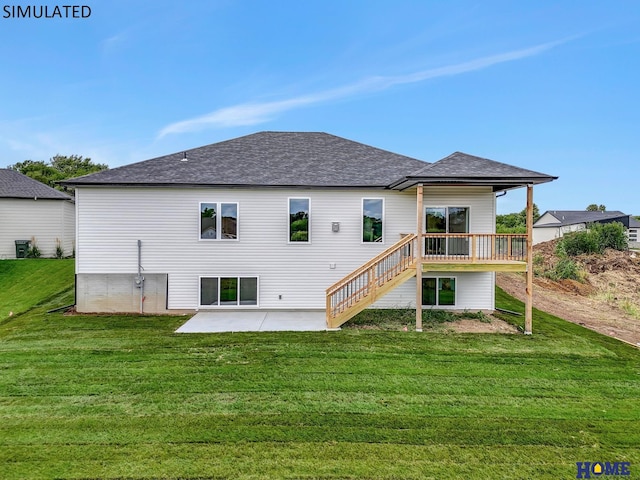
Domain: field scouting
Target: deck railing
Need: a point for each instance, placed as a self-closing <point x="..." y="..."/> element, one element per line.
<point x="374" y="274"/>
<point x="473" y="247"/>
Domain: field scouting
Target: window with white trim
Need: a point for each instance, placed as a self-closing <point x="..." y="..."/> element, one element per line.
<point x="228" y="291"/>
<point x="299" y="209"/>
<point x="439" y="291"/>
<point x="218" y="221"/>
<point x="372" y="220"/>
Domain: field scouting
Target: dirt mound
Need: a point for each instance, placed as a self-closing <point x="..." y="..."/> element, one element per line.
<point x="608" y="300"/>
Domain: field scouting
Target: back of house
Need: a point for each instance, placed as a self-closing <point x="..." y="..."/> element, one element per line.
<point x="273" y="219"/>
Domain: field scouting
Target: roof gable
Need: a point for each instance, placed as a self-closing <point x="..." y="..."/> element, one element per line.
<point x="14" y="184"/>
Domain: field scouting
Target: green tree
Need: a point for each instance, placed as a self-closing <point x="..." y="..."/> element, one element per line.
<point x="59" y="167"/>
<point x="596" y="208"/>
<point x="515" y="222"/>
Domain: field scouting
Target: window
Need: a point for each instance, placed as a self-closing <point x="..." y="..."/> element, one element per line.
<point x="299" y="220"/>
<point x="372" y="220"/>
<point x="228" y="291"/>
<point x="447" y="220"/>
<point x="439" y="291"/>
<point x="218" y="221"/>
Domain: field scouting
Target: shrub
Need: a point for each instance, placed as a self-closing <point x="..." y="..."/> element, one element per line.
<point x="59" y="249"/>
<point x="33" y="251"/>
<point x="595" y="240"/>
<point x="610" y="235"/>
<point x="566" y="269"/>
<point x="578" y="243"/>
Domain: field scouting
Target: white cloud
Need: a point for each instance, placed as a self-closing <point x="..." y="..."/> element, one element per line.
<point x="255" y="113"/>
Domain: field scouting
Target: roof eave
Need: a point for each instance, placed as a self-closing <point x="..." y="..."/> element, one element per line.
<point x="214" y="185"/>
<point x="498" y="183"/>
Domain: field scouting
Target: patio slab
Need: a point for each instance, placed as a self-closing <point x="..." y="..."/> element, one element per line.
<point x="255" y="321"/>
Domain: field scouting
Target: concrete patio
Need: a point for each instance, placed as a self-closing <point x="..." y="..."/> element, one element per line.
<point x="255" y="321"/>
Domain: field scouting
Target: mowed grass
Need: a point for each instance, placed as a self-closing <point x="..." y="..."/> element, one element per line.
<point x="125" y="397"/>
<point x="27" y="282"/>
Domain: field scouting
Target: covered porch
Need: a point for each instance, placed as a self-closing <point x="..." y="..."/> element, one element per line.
<point x="445" y="240"/>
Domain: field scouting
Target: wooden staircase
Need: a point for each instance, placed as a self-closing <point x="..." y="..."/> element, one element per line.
<point x="362" y="287"/>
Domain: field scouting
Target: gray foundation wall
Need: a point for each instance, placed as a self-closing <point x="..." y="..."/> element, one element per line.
<point x="117" y="293"/>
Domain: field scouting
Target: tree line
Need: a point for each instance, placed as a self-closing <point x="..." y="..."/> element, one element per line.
<point x="58" y="168"/>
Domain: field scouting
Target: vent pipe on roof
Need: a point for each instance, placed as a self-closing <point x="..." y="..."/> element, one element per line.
<point x="184" y="157"/>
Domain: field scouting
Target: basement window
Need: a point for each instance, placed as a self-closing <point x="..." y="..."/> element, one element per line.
<point x="228" y="291"/>
<point x="439" y="291"/>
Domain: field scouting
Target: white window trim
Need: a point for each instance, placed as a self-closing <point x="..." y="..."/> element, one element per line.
<point x="237" y="306"/>
<point x="308" y="242"/>
<point x="455" y="293"/>
<point x="218" y="222"/>
<point x="384" y="223"/>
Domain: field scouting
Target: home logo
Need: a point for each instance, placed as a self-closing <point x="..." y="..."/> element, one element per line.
<point x="603" y="469"/>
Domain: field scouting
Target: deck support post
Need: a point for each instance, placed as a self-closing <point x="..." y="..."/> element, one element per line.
<point x="528" y="313"/>
<point x="418" y="254"/>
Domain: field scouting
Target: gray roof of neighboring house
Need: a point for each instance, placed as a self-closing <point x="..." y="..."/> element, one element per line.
<point x="308" y="159"/>
<point x="14" y="184"/>
<point x="572" y="217"/>
<point x="633" y="223"/>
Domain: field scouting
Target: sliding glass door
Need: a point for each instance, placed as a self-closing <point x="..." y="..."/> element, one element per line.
<point x="447" y="220"/>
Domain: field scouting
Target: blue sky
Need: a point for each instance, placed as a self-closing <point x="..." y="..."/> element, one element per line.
<point x="552" y="86"/>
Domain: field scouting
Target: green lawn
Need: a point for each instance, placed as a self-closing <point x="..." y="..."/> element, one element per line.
<point x="27" y="282"/>
<point x="125" y="397"/>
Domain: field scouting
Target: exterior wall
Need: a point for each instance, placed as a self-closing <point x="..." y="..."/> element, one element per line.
<point x="290" y="275"/>
<point x="547" y="219"/>
<point x="118" y="293"/>
<point x="69" y="228"/>
<point x="43" y="219"/>
<point x="544" y="234"/>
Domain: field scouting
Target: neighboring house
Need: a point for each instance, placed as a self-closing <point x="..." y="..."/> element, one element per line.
<point x="30" y="209"/>
<point x="633" y="233"/>
<point x="271" y="220"/>
<point x="555" y="223"/>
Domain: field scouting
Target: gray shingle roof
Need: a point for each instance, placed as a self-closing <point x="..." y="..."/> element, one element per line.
<point x="267" y="159"/>
<point x="572" y="217"/>
<point x="16" y="185"/>
<point x="308" y="159"/>
<point x="633" y="223"/>
<point x="462" y="168"/>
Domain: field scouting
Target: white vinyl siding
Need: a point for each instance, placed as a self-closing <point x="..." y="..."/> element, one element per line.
<point x="166" y="220"/>
<point x="290" y="276"/>
<point x="43" y="219"/>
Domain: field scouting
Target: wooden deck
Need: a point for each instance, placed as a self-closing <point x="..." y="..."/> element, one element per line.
<point x="458" y="252"/>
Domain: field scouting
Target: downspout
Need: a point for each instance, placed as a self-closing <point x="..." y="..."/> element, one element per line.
<point x="139" y="280"/>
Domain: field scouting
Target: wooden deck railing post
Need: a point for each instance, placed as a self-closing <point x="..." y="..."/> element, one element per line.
<point x="528" y="312"/>
<point x="473" y="248"/>
<point x="419" y="254"/>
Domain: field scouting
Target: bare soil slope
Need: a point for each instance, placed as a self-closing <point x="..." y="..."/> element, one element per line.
<point x="608" y="301"/>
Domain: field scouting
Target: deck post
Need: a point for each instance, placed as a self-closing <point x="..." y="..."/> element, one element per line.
<point x="528" y="318"/>
<point x="419" y="253"/>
